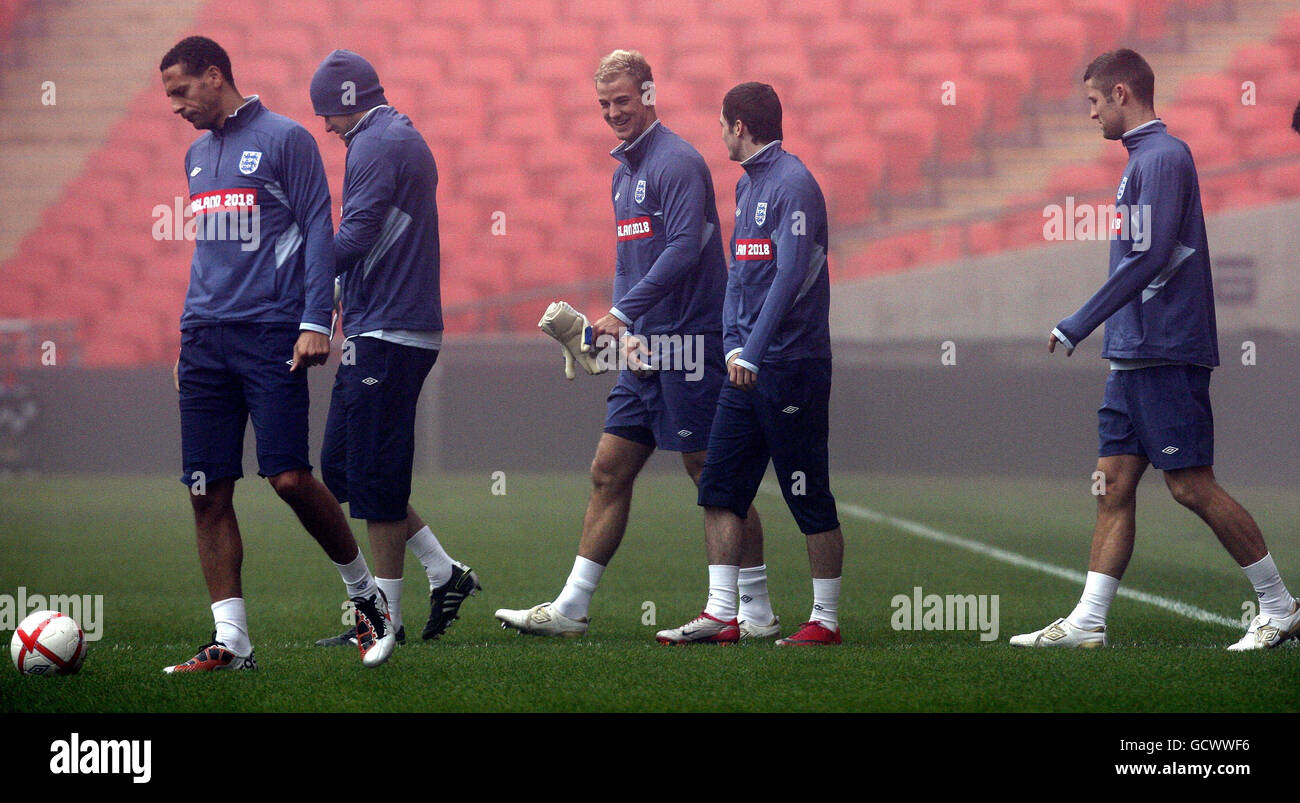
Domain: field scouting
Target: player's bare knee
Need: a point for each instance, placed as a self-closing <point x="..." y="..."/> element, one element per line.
<point x="289" y="484"/>
<point x="609" y="477"/>
<point x="1191" y="494"/>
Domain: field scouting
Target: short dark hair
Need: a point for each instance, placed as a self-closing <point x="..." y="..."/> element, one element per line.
<point x="1125" y="67"/>
<point x="1295" y="119"/>
<point x="196" y="54"/>
<point x="757" y="105"/>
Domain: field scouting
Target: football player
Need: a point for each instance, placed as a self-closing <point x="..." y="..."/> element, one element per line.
<point x="669" y="280"/>
<point x="1158" y="307"/>
<point x="257" y="314"/>
<point x="775" y="407"/>
<point x="386" y="251"/>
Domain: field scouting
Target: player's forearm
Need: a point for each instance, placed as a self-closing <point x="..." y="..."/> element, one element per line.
<point x="1135" y="272"/>
<point x="357" y="234"/>
<point x="668" y="269"/>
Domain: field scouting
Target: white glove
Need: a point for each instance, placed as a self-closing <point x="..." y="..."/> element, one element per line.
<point x="573" y="331"/>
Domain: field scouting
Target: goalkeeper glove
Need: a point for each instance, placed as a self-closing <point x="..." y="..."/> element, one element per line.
<point x="573" y="331"/>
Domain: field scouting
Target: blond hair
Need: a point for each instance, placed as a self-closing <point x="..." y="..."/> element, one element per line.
<point x="624" y="62"/>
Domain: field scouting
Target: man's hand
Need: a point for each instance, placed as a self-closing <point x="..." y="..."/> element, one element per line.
<point x="1051" y="345"/>
<point x="312" y="348"/>
<point x="176" y="374"/>
<point x="634" y="354"/>
<point x="607" y="325"/>
<point x="740" y="376"/>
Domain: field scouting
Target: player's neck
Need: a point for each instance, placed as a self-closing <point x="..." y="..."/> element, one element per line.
<point x="230" y="103"/>
<point x="1139" y="118"/>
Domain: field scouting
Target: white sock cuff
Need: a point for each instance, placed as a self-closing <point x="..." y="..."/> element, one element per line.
<point x="585" y="574"/>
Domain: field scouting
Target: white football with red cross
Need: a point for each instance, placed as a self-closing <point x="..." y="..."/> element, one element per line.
<point x="48" y="643"/>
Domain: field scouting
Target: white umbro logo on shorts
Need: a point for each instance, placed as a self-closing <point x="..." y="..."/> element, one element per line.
<point x="790" y="409"/>
<point x="370" y="380"/>
<point x="683" y="433"/>
<point x="1169" y="449"/>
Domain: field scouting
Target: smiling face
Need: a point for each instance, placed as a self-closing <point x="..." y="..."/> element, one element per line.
<point x="197" y="98"/>
<point x="1107" y="108"/>
<point x="620" y="103"/>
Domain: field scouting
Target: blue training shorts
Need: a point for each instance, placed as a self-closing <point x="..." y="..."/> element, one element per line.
<point x="369" y="442"/>
<point x="229" y="373"/>
<point x="1162" y="413"/>
<point x="784" y="419"/>
<point x="671" y="409"/>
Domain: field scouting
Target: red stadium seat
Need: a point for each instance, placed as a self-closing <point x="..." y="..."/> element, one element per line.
<point x="988" y="31"/>
<point x="1055" y="45"/>
<point x="530" y="12"/>
<point x="1010" y="71"/>
<point x="666" y="13"/>
<point x="909" y="137"/>
<point x="1268" y="144"/>
<point x="1109" y="22"/>
<point x="912" y="34"/>
<point x="1255" y="62"/>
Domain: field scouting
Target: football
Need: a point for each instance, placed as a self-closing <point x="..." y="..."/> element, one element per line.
<point x="48" y="643"/>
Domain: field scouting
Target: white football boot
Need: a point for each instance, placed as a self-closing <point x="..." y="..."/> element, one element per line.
<point x="1061" y="634"/>
<point x="752" y="630"/>
<point x="542" y="620"/>
<point x="1269" y="631"/>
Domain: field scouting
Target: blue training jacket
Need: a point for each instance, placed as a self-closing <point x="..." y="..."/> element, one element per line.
<point x="263" y="167"/>
<point x="670" y="274"/>
<point x="1158" y="302"/>
<point x="387" y="243"/>
<point x="778" y="292"/>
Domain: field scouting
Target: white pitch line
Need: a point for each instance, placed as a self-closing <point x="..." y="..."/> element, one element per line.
<point x="1016" y="559"/>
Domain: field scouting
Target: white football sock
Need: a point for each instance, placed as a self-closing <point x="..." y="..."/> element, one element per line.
<point x="435" y="560"/>
<point x="723" y="591"/>
<point x="393" y="591"/>
<point x="356" y="576"/>
<point x="826" y="602"/>
<point x="755" y="604"/>
<point x="1274" y="599"/>
<point x="232" y="625"/>
<point x="575" y="599"/>
<point x="1098" y="593"/>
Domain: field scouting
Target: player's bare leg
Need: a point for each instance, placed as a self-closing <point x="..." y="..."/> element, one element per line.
<point x="450" y="582"/>
<point x="1112" y="547"/>
<point x="1116" y="528"/>
<point x="318" y="511"/>
<point x="1279" y="614"/>
<point x="221" y="556"/>
<point x="322" y="517"/>
<point x="617" y="463"/>
<point x="615" y="468"/>
<point x="221" y="550"/>
<point x="1197" y="490"/>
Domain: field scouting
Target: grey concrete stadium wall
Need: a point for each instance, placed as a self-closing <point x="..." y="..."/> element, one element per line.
<point x="1003" y="408"/>
<point x="1025" y="293"/>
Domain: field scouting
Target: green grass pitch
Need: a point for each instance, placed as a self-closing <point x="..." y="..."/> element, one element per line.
<point x="131" y="539"/>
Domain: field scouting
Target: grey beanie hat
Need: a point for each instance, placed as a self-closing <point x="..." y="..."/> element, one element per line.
<point x="345" y="83"/>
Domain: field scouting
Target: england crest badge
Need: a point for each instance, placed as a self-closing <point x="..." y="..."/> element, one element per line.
<point x="249" y="161"/>
<point x="760" y="213"/>
<point x="639" y="195"/>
